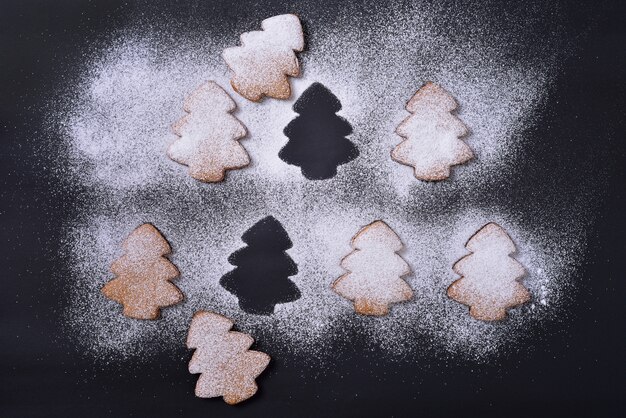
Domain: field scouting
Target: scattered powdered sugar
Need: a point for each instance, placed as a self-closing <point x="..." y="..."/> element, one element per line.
<point x="119" y="127"/>
<point x="321" y="237"/>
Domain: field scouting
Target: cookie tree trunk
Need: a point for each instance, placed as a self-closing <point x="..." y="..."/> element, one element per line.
<point x="261" y="279"/>
<point x="375" y="271"/>
<point x="317" y="138"/>
<point x="490" y="276"/>
<point x="142" y="275"/>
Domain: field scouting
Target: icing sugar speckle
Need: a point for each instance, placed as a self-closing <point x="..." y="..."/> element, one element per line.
<point x="117" y="127"/>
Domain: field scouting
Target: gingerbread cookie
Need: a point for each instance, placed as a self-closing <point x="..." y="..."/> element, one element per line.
<point x="209" y="135"/>
<point x="266" y="58"/>
<point x="143" y="275"/>
<point x="431" y="135"/>
<point x="490" y="276"/>
<point x="228" y="368"/>
<point x="375" y="271"/>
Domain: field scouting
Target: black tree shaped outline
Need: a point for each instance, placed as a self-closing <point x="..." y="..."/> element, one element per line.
<point x="261" y="277"/>
<point x="317" y="137"/>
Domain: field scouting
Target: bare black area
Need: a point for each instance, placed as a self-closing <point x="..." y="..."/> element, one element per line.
<point x="261" y="279"/>
<point x="317" y="138"/>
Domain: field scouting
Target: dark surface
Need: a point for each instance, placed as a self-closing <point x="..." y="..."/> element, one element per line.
<point x="573" y="369"/>
<point x="317" y="138"/>
<point x="261" y="278"/>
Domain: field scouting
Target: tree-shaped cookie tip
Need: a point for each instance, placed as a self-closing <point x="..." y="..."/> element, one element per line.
<point x="432" y="135"/>
<point x="261" y="277"/>
<point x="209" y="135"/>
<point x="226" y="365"/>
<point x="264" y="61"/>
<point x="317" y="137"/>
<point x="375" y="270"/>
<point x="490" y="277"/>
<point x="143" y="275"/>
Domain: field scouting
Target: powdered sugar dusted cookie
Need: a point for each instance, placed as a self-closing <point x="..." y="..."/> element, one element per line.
<point x="228" y="368"/>
<point x="266" y="58"/>
<point x="209" y="135"/>
<point x="432" y="134"/>
<point x="375" y="271"/>
<point x="143" y="275"/>
<point x="490" y="276"/>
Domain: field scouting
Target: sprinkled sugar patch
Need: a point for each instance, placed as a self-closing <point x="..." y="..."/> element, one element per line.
<point x="119" y="127"/>
<point x="321" y="237"/>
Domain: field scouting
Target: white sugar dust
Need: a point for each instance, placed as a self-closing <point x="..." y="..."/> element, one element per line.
<point x="117" y="125"/>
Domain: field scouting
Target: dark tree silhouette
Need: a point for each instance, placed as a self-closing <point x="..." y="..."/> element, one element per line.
<point x="261" y="279"/>
<point x="317" y="138"/>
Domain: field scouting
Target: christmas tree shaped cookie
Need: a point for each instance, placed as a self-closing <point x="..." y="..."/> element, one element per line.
<point x="228" y="368"/>
<point x="261" y="277"/>
<point x="265" y="59"/>
<point x="143" y="275"/>
<point x="375" y="271"/>
<point x="209" y="135"/>
<point x="490" y="276"/>
<point x="431" y="135"/>
<point x="317" y="138"/>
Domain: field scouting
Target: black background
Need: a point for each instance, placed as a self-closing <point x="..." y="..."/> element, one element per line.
<point x="575" y="368"/>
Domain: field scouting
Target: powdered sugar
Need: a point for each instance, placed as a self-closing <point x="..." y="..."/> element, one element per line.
<point x="118" y="131"/>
